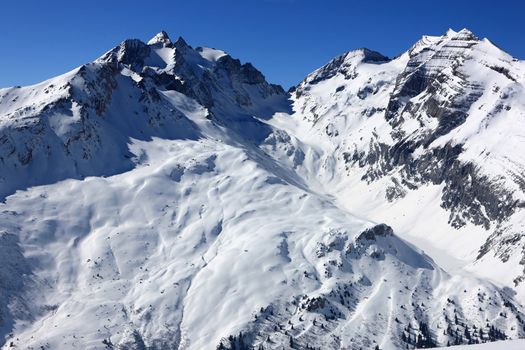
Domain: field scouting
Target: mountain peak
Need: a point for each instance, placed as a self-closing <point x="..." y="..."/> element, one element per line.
<point x="161" y="38"/>
<point x="181" y="42"/>
<point x="463" y="34"/>
<point x="370" y="55"/>
<point x="450" y="32"/>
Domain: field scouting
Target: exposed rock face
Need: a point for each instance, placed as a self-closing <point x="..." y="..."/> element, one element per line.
<point x="380" y="230"/>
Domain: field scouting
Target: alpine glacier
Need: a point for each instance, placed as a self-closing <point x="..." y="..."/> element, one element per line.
<point x="169" y="197"/>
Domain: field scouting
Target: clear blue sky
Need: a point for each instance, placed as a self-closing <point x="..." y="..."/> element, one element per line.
<point x="285" y="39"/>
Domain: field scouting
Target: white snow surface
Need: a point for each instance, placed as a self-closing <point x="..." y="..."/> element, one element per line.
<point x="499" y="345"/>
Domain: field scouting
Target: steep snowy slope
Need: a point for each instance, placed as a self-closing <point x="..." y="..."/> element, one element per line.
<point x="164" y="197"/>
<point x="429" y="142"/>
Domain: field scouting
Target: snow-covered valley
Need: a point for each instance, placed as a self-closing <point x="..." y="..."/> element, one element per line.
<point x="168" y="197"/>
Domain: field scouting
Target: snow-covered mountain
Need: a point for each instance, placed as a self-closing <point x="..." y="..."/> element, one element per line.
<point x="79" y="124"/>
<point x="168" y="197"/>
<point x="429" y="142"/>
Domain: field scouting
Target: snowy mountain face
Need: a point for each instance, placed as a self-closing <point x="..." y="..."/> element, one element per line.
<point x="168" y="197"/>
<point x="436" y="135"/>
<point x="79" y="124"/>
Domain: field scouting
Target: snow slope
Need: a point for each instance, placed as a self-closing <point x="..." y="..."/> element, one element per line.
<point x="179" y="252"/>
<point x="507" y="345"/>
<point x="168" y="197"/>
